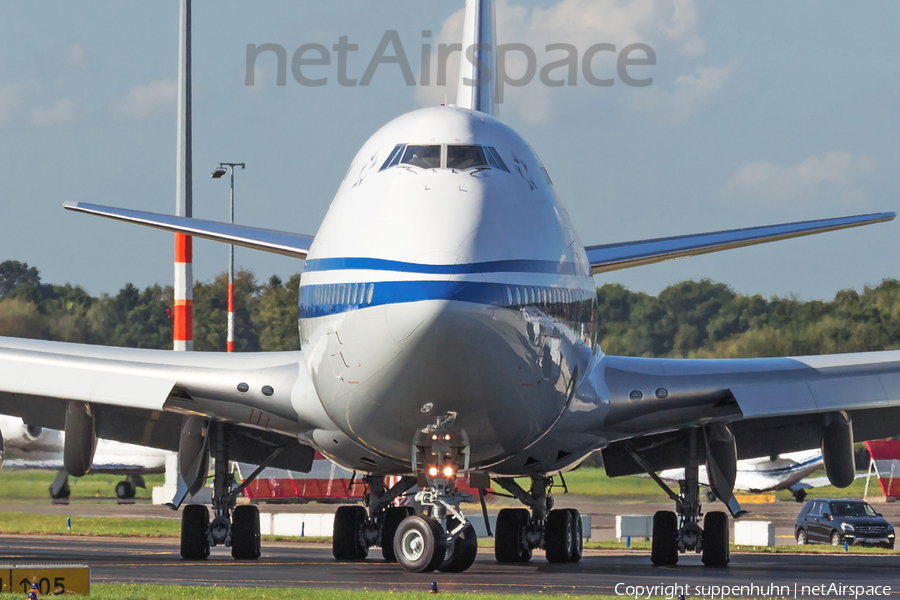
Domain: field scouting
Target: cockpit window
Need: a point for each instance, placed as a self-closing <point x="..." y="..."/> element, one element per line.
<point x="394" y="157"/>
<point x="460" y="157"/>
<point x="494" y="159"/>
<point x="426" y="157"/>
<point x="465" y="157"/>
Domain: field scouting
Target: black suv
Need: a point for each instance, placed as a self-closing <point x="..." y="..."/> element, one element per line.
<point x="834" y="522"/>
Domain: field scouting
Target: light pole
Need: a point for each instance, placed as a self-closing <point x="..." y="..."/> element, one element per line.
<point x="216" y="174"/>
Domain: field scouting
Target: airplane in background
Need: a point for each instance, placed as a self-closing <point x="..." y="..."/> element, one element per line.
<point x="787" y="471"/>
<point x="447" y="316"/>
<point x="24" y="446"/>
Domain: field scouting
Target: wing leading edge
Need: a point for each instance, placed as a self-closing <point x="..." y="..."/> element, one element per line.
<point x="612" y="257"/>
<point x="278" y="242"/>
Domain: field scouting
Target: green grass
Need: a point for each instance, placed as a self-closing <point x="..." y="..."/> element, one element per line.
<point x="35" y="484"/>
<point x="594" y="482"/>
<point x="31" y="523"/>
<point x="177" y="592"/>
<point x="855" y="489"/>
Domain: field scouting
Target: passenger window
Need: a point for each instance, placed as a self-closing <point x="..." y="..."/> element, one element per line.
<point x="465" y="157"/>
<point x="426" y="157"/>
<point x="353" y="294"/>
<point x="518" y="297"/>
<point x="509" y="296"/>
<point x="371" y="292"/>
<point x="394" y="157"/>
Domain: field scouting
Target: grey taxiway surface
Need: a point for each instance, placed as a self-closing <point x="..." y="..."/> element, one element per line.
<point x="156" y="561"/>
<point x="138" y="560"/>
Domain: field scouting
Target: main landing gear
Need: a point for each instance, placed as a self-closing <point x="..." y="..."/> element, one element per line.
<point x="440" y="538"/>
<point x="680" y="531"/>
<point x="557" y="531"/>
<point x="233" y="526"/>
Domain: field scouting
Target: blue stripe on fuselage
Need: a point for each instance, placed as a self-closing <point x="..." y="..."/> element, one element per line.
<point x="495" y="266"/>
<point x="328" y="299"/>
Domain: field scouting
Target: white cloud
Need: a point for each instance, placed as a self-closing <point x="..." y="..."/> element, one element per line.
<point x="831" y="176"/>
<point x="145" y="101"/>
<point x="688" y="94"/>
<point x="670" y="26"/>
<point x="75" y="55"/>
<point x="12" y="97"/>
<point x="60" y="113"/>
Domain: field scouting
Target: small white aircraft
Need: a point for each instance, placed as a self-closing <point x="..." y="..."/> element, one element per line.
<point x="787" y="471"/>
<point x="24" y="446"/>
<point x="448" y="323"/>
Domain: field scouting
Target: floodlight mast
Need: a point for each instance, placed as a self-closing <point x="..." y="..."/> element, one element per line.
<point x="217" y="174"/>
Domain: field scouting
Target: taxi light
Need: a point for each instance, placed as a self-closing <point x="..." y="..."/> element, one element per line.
<point x="447" y="437"/>
<point x="448" y="471"/>
<point x="433" y="471"/>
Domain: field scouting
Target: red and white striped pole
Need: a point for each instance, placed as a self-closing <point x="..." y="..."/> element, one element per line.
<point x="216" y="174"/>
<point x="183" y="331"/>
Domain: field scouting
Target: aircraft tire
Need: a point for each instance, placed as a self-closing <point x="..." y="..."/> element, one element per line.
<point x="245" y="539"/>
<point x="508" y="547"/>
<point x="578" y="538"/>
<point x="419" y="544"/>
<point x="347" y="543"/>
<point x="715" y="540"/>
<point x="63" y="494"/>
<point x="664" y="548"/>
<point x="194" y="523"/>
<point x="393" y="516"/>
<point x="125" y="490"/>
<point x="559" y="536"/>
<point x="461" y="554"/>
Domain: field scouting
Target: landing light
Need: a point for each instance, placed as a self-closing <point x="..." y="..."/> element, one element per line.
<point x="448" y="471"/>
<point x="433" y="471"/>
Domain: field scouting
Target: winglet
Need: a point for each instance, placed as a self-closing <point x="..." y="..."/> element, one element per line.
<point x="478" y="62"/>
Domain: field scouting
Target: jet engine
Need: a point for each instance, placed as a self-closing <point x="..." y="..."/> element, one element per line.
<point x="81" y="439"/>
<point x="193" y="452"/>
<point x="837" y="449"/>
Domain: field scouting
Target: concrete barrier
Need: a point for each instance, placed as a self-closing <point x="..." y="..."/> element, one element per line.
<point x="635" y="526"/>
<point x="315" y="525"/>
<point x="754" y="533"/>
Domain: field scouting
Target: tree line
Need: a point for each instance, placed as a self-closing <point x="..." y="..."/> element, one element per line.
<point x="265" y="316"/>
<point x="701" y="319"/>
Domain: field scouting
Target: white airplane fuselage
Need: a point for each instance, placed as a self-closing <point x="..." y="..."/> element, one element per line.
<point x="431" y="291"/>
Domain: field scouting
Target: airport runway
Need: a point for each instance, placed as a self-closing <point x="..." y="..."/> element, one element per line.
<point x="291" y="565"/>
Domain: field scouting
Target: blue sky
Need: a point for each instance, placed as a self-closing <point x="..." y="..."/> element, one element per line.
<point x="759" y="113"/>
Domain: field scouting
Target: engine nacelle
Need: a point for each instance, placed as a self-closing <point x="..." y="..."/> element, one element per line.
<point x="837" y="449"/>
<point x="81" y="439"/>
<point x="193" y="452"/>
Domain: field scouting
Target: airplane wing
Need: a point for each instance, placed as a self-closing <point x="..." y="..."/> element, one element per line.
<point x="139" y="396"/>
<point x="612" y="257"/>
<point x="772" y="405"/>
<point x="278" y="242"/>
